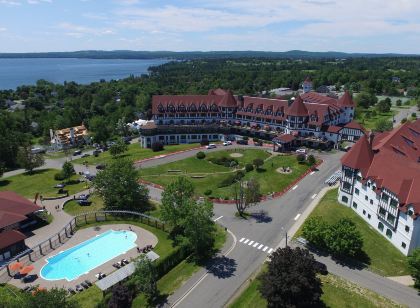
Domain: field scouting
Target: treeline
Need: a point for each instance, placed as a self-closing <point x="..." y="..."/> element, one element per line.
<point x="102" y="105"/>
<point x="188" y="55"/>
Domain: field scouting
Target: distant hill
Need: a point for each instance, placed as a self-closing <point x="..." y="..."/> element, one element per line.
<point x="130" y="54"/>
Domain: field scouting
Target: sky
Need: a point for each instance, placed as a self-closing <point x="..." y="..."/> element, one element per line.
<point x="378" y="26"/>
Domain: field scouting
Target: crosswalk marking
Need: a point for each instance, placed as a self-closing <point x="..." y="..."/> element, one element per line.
<point x="313" y="196"/>
<point x="294" y="187"/>
<point x="312" y="173"/>
<point x="256" y="245"/>
<point x="297" y="216"/>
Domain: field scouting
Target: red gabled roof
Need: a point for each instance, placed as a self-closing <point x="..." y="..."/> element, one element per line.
<point x="286" y="138"/>
<point x="334" y="129"/>
<point x="395" y="164"/>
<point x="355" y="125"/>
<point x="360" y="156"/>
<point x="297" y="108"/>
<point x="217" y="91"/>
<point x="14" y="208"/>
<point x="316" y="98"/>
<point x="10" y="237"/>
<point x="228" y="100"/>
<point x="345" y="100"/>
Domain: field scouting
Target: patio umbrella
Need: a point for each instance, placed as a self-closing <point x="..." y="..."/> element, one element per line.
<point x="15" y="266"/>
<point x="26" y="270"/>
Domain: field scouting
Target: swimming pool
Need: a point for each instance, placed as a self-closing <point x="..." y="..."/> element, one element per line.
<point x="82" y="258"/>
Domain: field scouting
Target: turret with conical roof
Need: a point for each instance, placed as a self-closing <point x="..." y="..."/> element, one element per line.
<point x="297" y="108"/>
<point x="360" y="156"/>
<point x="345" y="100"/>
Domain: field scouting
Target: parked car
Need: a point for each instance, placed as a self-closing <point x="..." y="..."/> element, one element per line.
<point x="77" y="152"/>
<point x="100" y="166"/>
<point x="96" y="153"/>
<point x="211" y="146"/>
<point x="243" y="142"/>
<point x="227" y="143"/>
<point x="301" y="151"/>
<point x="83" y="196"/>
<point x="84" y="202"/>
<point x="85" y="155"/>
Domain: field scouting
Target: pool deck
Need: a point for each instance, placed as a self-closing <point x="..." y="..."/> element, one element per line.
<point x="144" y="238"/>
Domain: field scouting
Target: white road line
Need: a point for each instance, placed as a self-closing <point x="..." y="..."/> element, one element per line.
<point x="261" y="246"/>
<point x="294" y="187"/>
<point x="313" y="196"/>
<point x="265" y="248"/>
<point x="218" y="218"/>
<point x="313" y="172"/>
<point x="241" y="240"/>
<point x="255" y="245"/>
<point x="250" y="243"/>
<point x="271" y="250"/>
<point x="247" y="240"/>
<point x="297" y="216"/>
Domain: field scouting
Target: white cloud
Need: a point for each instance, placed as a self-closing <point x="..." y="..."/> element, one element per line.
<point x="81" y="31"/>
<point x="2" y="29"/>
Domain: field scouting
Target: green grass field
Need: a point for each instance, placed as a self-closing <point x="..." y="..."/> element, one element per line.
<point x="134" y="153"/>
<point x="210" y="175"/>
<point x="369" y="123"/>
<point x="73" y="208"/>
<point x="338" y="293"/>
<point x="374" y="244"/>
<point x="40" y="181"/>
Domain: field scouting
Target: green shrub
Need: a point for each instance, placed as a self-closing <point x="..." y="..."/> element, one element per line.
<point x="255" y="139"/>
<point x="231" y="179"/>
<point x="245" y="138"/>
<point x="208" y="192"/>
<point x="201" y="155"/>
<point x="414" y="115"/>
<point x="157" y="146"/>
<point x="403" y="120"/>
<point x="59" y="176"/>
<point x="399" y="102"/>
<point x="249" y="167"/>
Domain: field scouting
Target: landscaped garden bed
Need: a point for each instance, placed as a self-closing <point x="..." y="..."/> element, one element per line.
<point x="215" y="174"/>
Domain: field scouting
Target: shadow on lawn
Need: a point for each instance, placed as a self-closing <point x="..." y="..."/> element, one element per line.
<point x="4" y="183"/>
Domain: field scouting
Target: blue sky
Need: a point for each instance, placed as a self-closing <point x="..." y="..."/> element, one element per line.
<point x="271" y="25"/>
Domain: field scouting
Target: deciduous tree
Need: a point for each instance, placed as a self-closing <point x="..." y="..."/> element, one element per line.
<point x="67" y="170"/>
<point x="29" y="160"/>
<point x="291" y="280"/>
<point x="414" y="263"/>
<point x="382" y="125"/>
<point x="118" y="148"/>
<point x="246" y="194"/>
<point x="144" y="278"/>
<point x="119" y="187"/>
<point x="121" y="296"/>
<point x="343" y="238"/>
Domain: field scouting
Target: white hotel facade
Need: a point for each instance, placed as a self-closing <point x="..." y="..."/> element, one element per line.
<point x="381" y="183"/>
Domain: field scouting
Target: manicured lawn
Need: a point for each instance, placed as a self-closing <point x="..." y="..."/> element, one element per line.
<point x="369" y="123"/>
<point x="134" y="153"/>
<point x="41" y="181"/>
<point x="207" y="176"/>
<point x="385" y="259"/>
<point x="88" y="298"/>
<point x="338" y="293"/>
<point x="73" y="208"/>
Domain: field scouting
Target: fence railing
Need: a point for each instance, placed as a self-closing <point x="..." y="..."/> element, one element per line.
<point x="58" y="239"/>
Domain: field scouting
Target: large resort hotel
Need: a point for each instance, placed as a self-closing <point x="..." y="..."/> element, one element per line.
<point x="381" y="183"/>
<point x="309" y="119"/>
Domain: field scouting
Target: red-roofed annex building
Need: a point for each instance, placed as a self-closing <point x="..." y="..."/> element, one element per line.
<point x="192" y="118"/>
<point x="381" y="183"/>
<point x="16" y="213"/>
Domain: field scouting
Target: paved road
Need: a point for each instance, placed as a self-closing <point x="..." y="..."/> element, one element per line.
<point x="267" y="227"/>
<point x="213" y="287"/>
<point x="404" y="113"/>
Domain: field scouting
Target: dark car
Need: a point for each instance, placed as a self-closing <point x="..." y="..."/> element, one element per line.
<point x="244" y="142"/>
<point x="84" y="202"/>
<point x="320" y="268"/>
<point x="77" y="152"/>
<point x="100" y="166"/>
<point x="96" y="153"/>
<point x="85" y="155"/>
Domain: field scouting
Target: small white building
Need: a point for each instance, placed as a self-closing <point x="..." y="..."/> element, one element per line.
<point x="381" y="183"/>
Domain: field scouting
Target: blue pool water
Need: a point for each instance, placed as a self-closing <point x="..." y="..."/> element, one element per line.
<point x="80" y="259"/>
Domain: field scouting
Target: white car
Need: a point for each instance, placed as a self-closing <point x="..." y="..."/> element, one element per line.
<point x="227" y="143"/>
<point x="301" y="151"/>
<point x="211" y="146"/>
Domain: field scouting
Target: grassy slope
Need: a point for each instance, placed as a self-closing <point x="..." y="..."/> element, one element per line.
<point x="41" y="181"/>
<point x="385" y="259"/>
<point x="73" y="208"/>
<point x="269" y="179"/>
<point x="337" y="293"/>
<point x="135" y="152"/>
